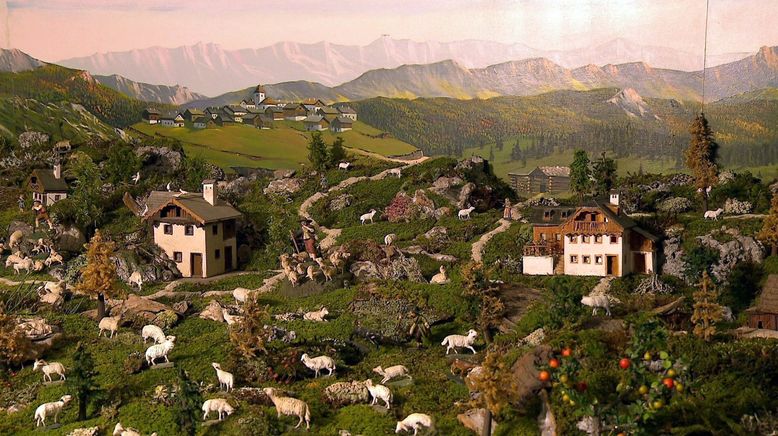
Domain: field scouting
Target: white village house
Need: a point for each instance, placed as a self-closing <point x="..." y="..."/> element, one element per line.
<point x="48" y="185"/>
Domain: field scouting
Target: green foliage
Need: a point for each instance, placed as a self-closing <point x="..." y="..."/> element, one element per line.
<point x="317" y="153"/>
<point x="81" y="380"/>
<point x="121" y="164"/>
<point x="195" y="170"/>
<point x="186" y="403"/>
<point x="698" y="260"/>
<point x="564" y="300"/>
<point x="604" y="173"/>
<point x="337" y="153"/>
<point x="86" y="196"/>
<point x="580" y="174"/>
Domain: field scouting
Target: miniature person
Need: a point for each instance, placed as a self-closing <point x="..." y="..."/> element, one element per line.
<point x="506" y="212"/>
<point x="309" y="237"/>
<point x="323" y="182"/>
<point x="41" y="214"/>
<point x="21" y="203"/>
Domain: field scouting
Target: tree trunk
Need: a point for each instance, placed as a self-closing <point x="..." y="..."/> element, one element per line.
<point x="100" y="306"/>
<point x="487" y="428"/>
<point x="82" y="403"/>
<point x="705" y="202"/>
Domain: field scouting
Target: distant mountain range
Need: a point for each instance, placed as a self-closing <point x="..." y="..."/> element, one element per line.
<point x="209" y="69"/>
<point x="15" y="61"/>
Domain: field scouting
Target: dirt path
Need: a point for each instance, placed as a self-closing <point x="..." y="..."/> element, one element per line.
<point x="7" y="282"/>
<point x="170" y="288"/>
<point x="517" y="300"/>
<point x="478" y="246"/>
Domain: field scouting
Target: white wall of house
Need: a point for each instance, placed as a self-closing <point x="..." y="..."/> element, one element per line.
<point x="592" y="250"/>
<point x="216" y="266"/>
<point x="167" y="123"/>
<point x="48" y="198"/>
<point x="203" y="241"/>
<point x="537" y="265"/>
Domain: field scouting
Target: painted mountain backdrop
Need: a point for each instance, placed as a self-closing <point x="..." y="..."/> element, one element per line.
<point x="209" y="69"/>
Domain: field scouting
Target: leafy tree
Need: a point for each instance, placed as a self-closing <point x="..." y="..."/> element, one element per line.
<point x="604" y="172"/>
<point x="86" y="193"/>
<point x="14" y="344"/>
<point x="478" y="286"/>
<point x="195" y="170"/>
<point x="186" y="403"/>
<point x="706" y="311"/>
<point x="337" y="152"/>
<point x="122" y="164"/>
<point x="580" y="173"/>
<point x="98" y="277"/>
<point x="248" y="335"/>
<point x="701" y="156"/>
<point x="769" y="232"/>
<point x="81" y="379"/>
<point x="317" y="152"/>
<point x="496" y="384"/>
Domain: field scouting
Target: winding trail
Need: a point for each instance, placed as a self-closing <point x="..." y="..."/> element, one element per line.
<point x="7" y="282"/>
<point x="477" y="249"/>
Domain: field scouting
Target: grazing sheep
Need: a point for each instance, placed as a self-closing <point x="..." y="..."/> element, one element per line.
<point x="136" y="279"/>
<point x="326" y="270"/>
<point x="338" y="259"/>
<point x="53" y="258"/>
<point x="13" y="258"/>
<point x="464" y="214"/>
<point x="241" y="295"/>
<point x="597" y="301"/>
<point x="398" y="172"/>
<point x="452" y="342"/>
<point x="230" y="319"/>
<point x="301" y="256"/>
<point x="154" y="352"/>
<point x="119" y="430"/>
<point x="379" y="392"/>
<point x="713" y="214"/>
<point x="226" y="379"/>
<point x="440" y="278"/>
<point x="15" y="239"/>
<point x="317" y="315"/>
<point x="318" y="363"/>
<point x="389" y="239"/>
<point x="110" y="324"/>
<point x="218" y="405"/>
<point x="293" y="277"/>
<point x="311" y="273"/>
<point x="368" y="216"/>
<point x="153" y="332"/>
<point x="300" y="269"/>
<point x="55" y="287"/>
<point x="392" y="372"/>
<point x="344" y="166"/>
<point x="414" y="422"/>
<point x="290" y="407"/>
<point x="24" y="264"/>
<point x="53" y="408"/>
<point x="49" y="368"/>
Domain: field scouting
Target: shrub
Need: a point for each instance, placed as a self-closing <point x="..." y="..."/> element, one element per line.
<point x="674" y="205"/>
<point x="737" y="207"/>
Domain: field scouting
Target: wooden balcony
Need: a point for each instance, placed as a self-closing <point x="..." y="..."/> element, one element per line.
<point x="588" y="227"/>
<point x="541" y="248"/>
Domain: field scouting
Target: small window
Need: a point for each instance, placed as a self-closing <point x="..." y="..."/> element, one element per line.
<point x="217" y="254"/>
<point x="215" y="229"/>
<point x="598" y="260"/>
<point x="178" y="256"/>
<point x="573" y="259"/>
<point x="585" y="239"/>
<point x="189" y="230"/>
<point x="543" y="236"/>
<point x="168" y="229"/>
<point x="587" y="259"/>
<point x="573" y="239"/>
<point x="565" y="213"/>
<point x="598" y="239"/>
<point x="56" y="197"/>
<point x="558" y="237"/>
<point x="614" y="239"/>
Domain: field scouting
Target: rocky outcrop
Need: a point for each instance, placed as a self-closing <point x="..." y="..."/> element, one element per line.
<point x="463" y="199"/>
<point x="525" y="372"/>
<point x="346" y="393"/>
<point x="387" y="320"/>
<point x="149" y="260"/>
<point x="474" y="419"/>
<point x="91" y="431"/>
<point x="42" y="335"/>
<point x="70" y="239"/>
<point x="284" y="187"/>
<point x="674" y="263"/>
<point x="161" y="158"/>
<point x="736" y="249"/>
<point x="733" y="206"/>
<point x="445" y="183"/>
<point x="476" y="163"/>
<point x="398" y="268"/>
<point x="213" y="312"/>
<point x="340" y="202"/>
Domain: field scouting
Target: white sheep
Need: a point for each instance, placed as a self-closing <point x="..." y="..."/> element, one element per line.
<point x="392" y="372"/>
<point x="119" y="430"/>
<point x="395" y="172"/>
<point x="464" y="214"/>
<point x="713" y="214"/>
<point x="153" y="332"/>
<point x="326" y="270"/>
<point x="318" y="363"/>
<point x="49" y="368"/>
<point x="13" y="258"/>
<point x="344" y="166"/>
<point x="368" y="216"/>
<point x="241" y="295"/>
<point x="24" y="264"/>
<point x="379" y="392"/>
<point x="311" y="273"/>
<point x="414" y="422"/>
<point x="230" y="319"/>
<point x="318" y="315"/>
<point x="452" y="342"/>
<point x="15" y="239"/>
<point x="293" y="277"/>
<point x="56" y="287"/>
<point x="154" y="352"/>
<point x="440" y="278"/>
<point x="389" y="239"/>
<point x="290" y="407"/>
<point x="226" y="379"/>
<point x="136" y="279"/>
<point x="109" y="324"/>
<point x="218" y="405"/>
<point x="53" y="298"/>
<point x="597" y="301"/>
<point x="53" y="408"/>
<point x="53" y="258"/>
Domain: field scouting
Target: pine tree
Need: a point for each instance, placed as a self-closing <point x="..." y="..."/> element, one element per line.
<point x="580" y="182"/>
<point x="701" y="156"/>
<point x="186" y="403"/>
<point x="98" y="276"/>
<point x="86" y="193"/>
<point x="14" y="344"/>
<point x="81" y="379"/>
<point x="769" y="232"/>
<point x="516" y="151"/>
<point x="317" y="152"/>
<point x="706" y="311"/>
<point x="337" y="152"/>
<point x="604" y="172"/>
<point x="478" y="286"/>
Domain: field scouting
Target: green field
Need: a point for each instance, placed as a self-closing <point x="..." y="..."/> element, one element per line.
<point x="284" y="146"/>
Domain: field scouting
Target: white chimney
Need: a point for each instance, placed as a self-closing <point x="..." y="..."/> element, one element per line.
<point x="615" y="198"/>
<point x="209" y="191"/>
<point x="57" y="170"/>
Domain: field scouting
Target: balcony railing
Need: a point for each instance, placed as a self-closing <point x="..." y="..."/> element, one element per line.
<point x="543" y="249"/>
<point x="589" y="227"/>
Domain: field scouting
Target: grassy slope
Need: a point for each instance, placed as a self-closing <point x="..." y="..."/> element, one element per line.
<point x="18" y="115"/>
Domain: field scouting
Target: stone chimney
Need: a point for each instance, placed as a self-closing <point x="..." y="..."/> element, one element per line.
<point x="57" y="170"/>
<point x="209" y="191"/>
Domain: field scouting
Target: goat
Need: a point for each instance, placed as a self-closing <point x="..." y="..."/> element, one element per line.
<point x="379" y="392"/>
<point x="389" y="239"/>
<point x="226" y="379"/>
<point x="317" y="315"/>
<point x="597" y="301"/>
<point x="241" y="295"/>
<point x="53" y="258"/>
<point x="318" y="363"/>
<point x="713" y="214"/>
<point x="461" y="367"/>
<point x="154" y="352"/>
<point x="53" y="408"/>
<point x="49" y="368"/>
<point x="136" y="279"/>
<point x="24" y="264"/>
<point x="464" y="214"/>
<point x="395" y="172"/>
<point x="219" y="405"/>
<point x="230" y="319"/>
<point x="326" y="270"/>
<point x="109" y="324"/>
<point x="392" y="372"/>
<point x="13" y="258"/>
<point x="452" y="342"/>
<point x="368" y="216"/>
<point x="290" y="407"/>
<point x="440" y="278"/>
<point x="310" y="272"/>
<point x="293" y="277"/>
<point x="344" y="166"/>
<point x="153" y="332"/>
<point x="414" y="422"/>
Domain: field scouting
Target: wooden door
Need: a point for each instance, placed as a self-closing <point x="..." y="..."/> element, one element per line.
<point x="227" y="258"/>
<point x="197" y="265"/>
<point x="639" y="263"/>
<point x="612" y="265"/>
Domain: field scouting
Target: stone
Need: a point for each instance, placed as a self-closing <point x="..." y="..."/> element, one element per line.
<point x="161" y="159"/>
<point x="163" y="365"/>
<point x="525" y="372"/>
<point x="252" y="396"/>
<point x="425" y="207"/>
<point x="165" y="319"/>
<point x="346" y="393"/>
<point x="341" y="202"/>
<point x="181" y="307"/>
<point x="439" y="257"/>
<point x="437" y="232"/>
<point x="213" y="312"/>
<point x="474" y="419"/>
<point x="674" y="264"/>
<point x="733" y="206"/>
<point x="284" y="187"/>
<point x="471" y="163"/>
<point x="535" y="338"/>
<point x="365" y="271"/>
<point x="383" y="319"/>
<point x="442" y="212"/>
<point x="444" y="183"/>
<point x="464" y="195"/>
<point x="283" y="174"/>
<point x="149" y="260"/>
<point x="399" y="383"/>
<point x="737" y="249"/>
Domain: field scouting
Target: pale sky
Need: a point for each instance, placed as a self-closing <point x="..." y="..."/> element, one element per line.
<point x="52" y="30"/>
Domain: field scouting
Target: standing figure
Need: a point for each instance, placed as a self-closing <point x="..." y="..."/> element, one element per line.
<point x="20" y="201"/>
<point x="41" y="214"/>
<point x="309" y="237"/>
<point x="324" y="183"/>
<point x="506" y="212"/>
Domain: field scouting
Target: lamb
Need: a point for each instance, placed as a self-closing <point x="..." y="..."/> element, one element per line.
<point x="392" y="372"/>
<point x="368" y="216"/>
<point x="317" y="315"/>
<point x="226" y="379"/>
<point x="153" y="332"/>
<point x="49" y="368"/>
<point x="293" y="277"/>
<point x="53" y="258"/>
<point x="53" y="408"/>
<point x="219" y="405"/>
<point x="241" y="295"/>
<point x="464" y="214"/>
<point x="344" y="166"/>
<point x="414" y="422"/>
<point x="319" y="363"/>
<point x="154" y="352"/>
<point x="389" y="239"/>
<point x="290" y="407"/>
<point x="311" y="273"/>
<point x="713" y="214"/>
<point x="24" y="264"/>
<point x="119" y="430"/>
<point x="597" y="301"/>
<point x="440" y="278"/>
<point x="452" y="342"/>
<point x="395" y="172"/>
<point x="230" y="319"/>
<point x="109" y="324"/>
<point x="379" y="392"/>
<point x="15" y="239"/>
<point x="136" y="279"/>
